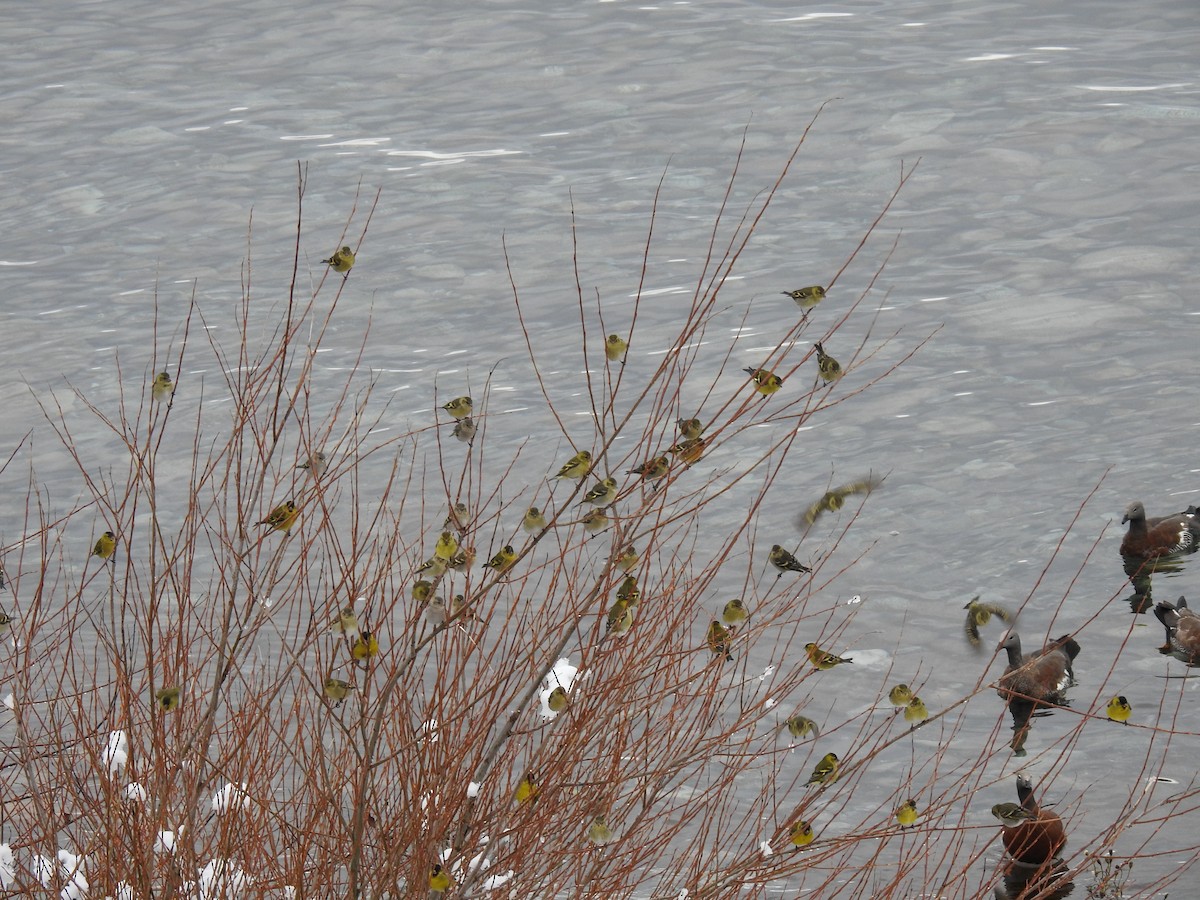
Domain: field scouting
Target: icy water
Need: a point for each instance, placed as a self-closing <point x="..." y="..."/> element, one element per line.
<point x="1048" y="237"/>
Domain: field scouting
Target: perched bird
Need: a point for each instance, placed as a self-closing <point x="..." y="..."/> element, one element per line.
<point x="602" y="494"/>
<point x="282" y="517"/>
<point x="629" y="590"/>
<point x="1032" y="835"/>
<point x="826" y="771"/>
<point x="599" y="832"/>
<point x="906" y="813"/>
<point x="168" y="698"/>
<point x="505" y="559"/>
<point x="464" y="429"/>
<point x="1183" y="630"/>
<point x="916" y="712"/>
<point x="690" y="450"/>
<point x="718" y="640"/>
<point x="799" y="726"/>
<point x="460" y="610"/>
<point x="800" y="834"/>
<point x="337" y="690"/>
<point x="785" y="562"/>
<point x="315" y="464"/>
<point x="689" y="429"/>
<point x="163" y="387"/>
<point x="615" y="347"/>
<point x="577" y="466"/>
<point x="365" y="646"/>
<point x="462" y="560"/>
<point x="346" y="622"/>
<point x="458" y="518"/>
<point x="595" y="521"/>
<point x="436" y="612"/>
<point x="979" y="613"/>
<point x="828" y="367"/>
<point x="459" y="407"/>
<point x="422" y="590"/>
<point x="628" y="559"/>
<point x="534" y="521"/>
<point x="558" y="699"/>
<point x="446" y="547"/>
<point x="835" y="498"/>
<point x="900" y="695"/>
<point x="735" y="611"/>
<point x="1164" y="536"/>
<point x="807" y="297"/>
<point x="619" y="618"/>
<point x="1039" y="676"/>
<point x="3" y="583"/>
<point x="1012" y="814"/>
<point x="823" y="660"/>
<point x="106" y="544"/>
<point x="527" y="789"/>
<point x="765" y="381"/>
<point x="6" y="622"/>
<point x="1119" y="709"/>
<point x="439" y="880"/>
<point x="341" y="261"/>
<point x="652" y="469"/>
<point x="434" y="566"/>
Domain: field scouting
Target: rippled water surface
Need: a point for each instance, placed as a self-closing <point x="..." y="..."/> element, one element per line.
<point x="1046" y="240"/>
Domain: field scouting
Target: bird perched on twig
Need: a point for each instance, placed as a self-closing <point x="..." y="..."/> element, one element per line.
<point x="828" y="367"/>
<point x="735" y="611"/>
<point x="800" y="834"/>
<point x="602" y="494"/>
<point x="823" y="660"/>
<point x="835" y="498"/>
<point x="785" y="562"/>
<point x="105" y="545"/>
<point x="765" y="381"/>
<point x="163" y="387"/>
<point x="459" y="407"/>
<point x="807" y="297"/>
<point x="282" y="517"/>
<point x="576" y="467"/>
<point x="826" y="771"/>
<point x="341" y="260"/>
<point x="315" y="464"/>
<point x="900" y="695"/>
<point x="337" y="690"/>
<point x="916" y="711"/>
<point x="979" y="613"/>
<point x="906" y="813"/>
<point x="1119" y="709"/>
<point x="718" y="640"/>
<point x="689" y="429"/>
<point x="615" y="347"/>
<point x="534" y="521"/>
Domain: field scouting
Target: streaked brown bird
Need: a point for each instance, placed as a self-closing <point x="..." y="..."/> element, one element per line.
<point x="718" y="640"/>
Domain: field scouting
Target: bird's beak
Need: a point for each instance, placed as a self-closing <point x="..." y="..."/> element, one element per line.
<point x="1124" y="519"/>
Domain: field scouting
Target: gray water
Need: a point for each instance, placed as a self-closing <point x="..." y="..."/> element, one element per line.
<point x="1048" y="232"/>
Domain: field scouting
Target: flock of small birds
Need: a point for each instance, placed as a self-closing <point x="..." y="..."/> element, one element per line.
<point x="1029" y="682"/>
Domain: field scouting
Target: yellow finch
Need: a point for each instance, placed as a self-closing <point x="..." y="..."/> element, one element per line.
<point x="765" y="382"/>
<point x="599" y="832"/>
<point x="619" y="618"/>
<point x="828" y="367"/>
<point x="365" y="646"/>
<point x="629" y="590"/>
<point x="504" y="559"/>
<point x="534" y="521"/>
<point x="900" y="695"/>
<point x="689" y="450"/>
<point x="835" y="498"/>
<point x="434" y="566"/>
<point x="315" y="463"/>
<point x="800" y="834"/>
<point x="282" y="517"/>
<point x="341" y="260"/>
<point x="558" y="699"/>
<point x="979" y="614"/>
<point x="1119" y="709"/>
<point x="652" y="469"/>
<point x="785" y="562"/>
<point x="802" y="726"/>
<point x="577" y="466"/>
<point x="105" y="545"/>
<point x="735" y="611"/>
<point x="718" y="640"/>
<point x="807" y="297"/>
<point x="628" y="559"/>
<point x="346" y="622"/>
<point x="906" y="813"/>
<point x="163" y="387"/>
<point x="168" y="698"/>
<point x="459" y="407"/>
<point x="595" y="521"/>
<point x="915" y="711"/>
<point x="602" y="494"/>
<point x="527" y="789"/>
<point x="1012" y="814"/>
<point x="615" y="347"/>
<point x="823" y="660"/>
<point x="5" y="622"/>
<point x="462" y="560"/>
<point x="690" y="429"/>
<point x="826" y="770"/>
<point x="446" y="547"/>
<point x="422" y="590"/>
<point x="337" y="690"/>
<point x="439" y="880"/>
<point x="464" y="429"/>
